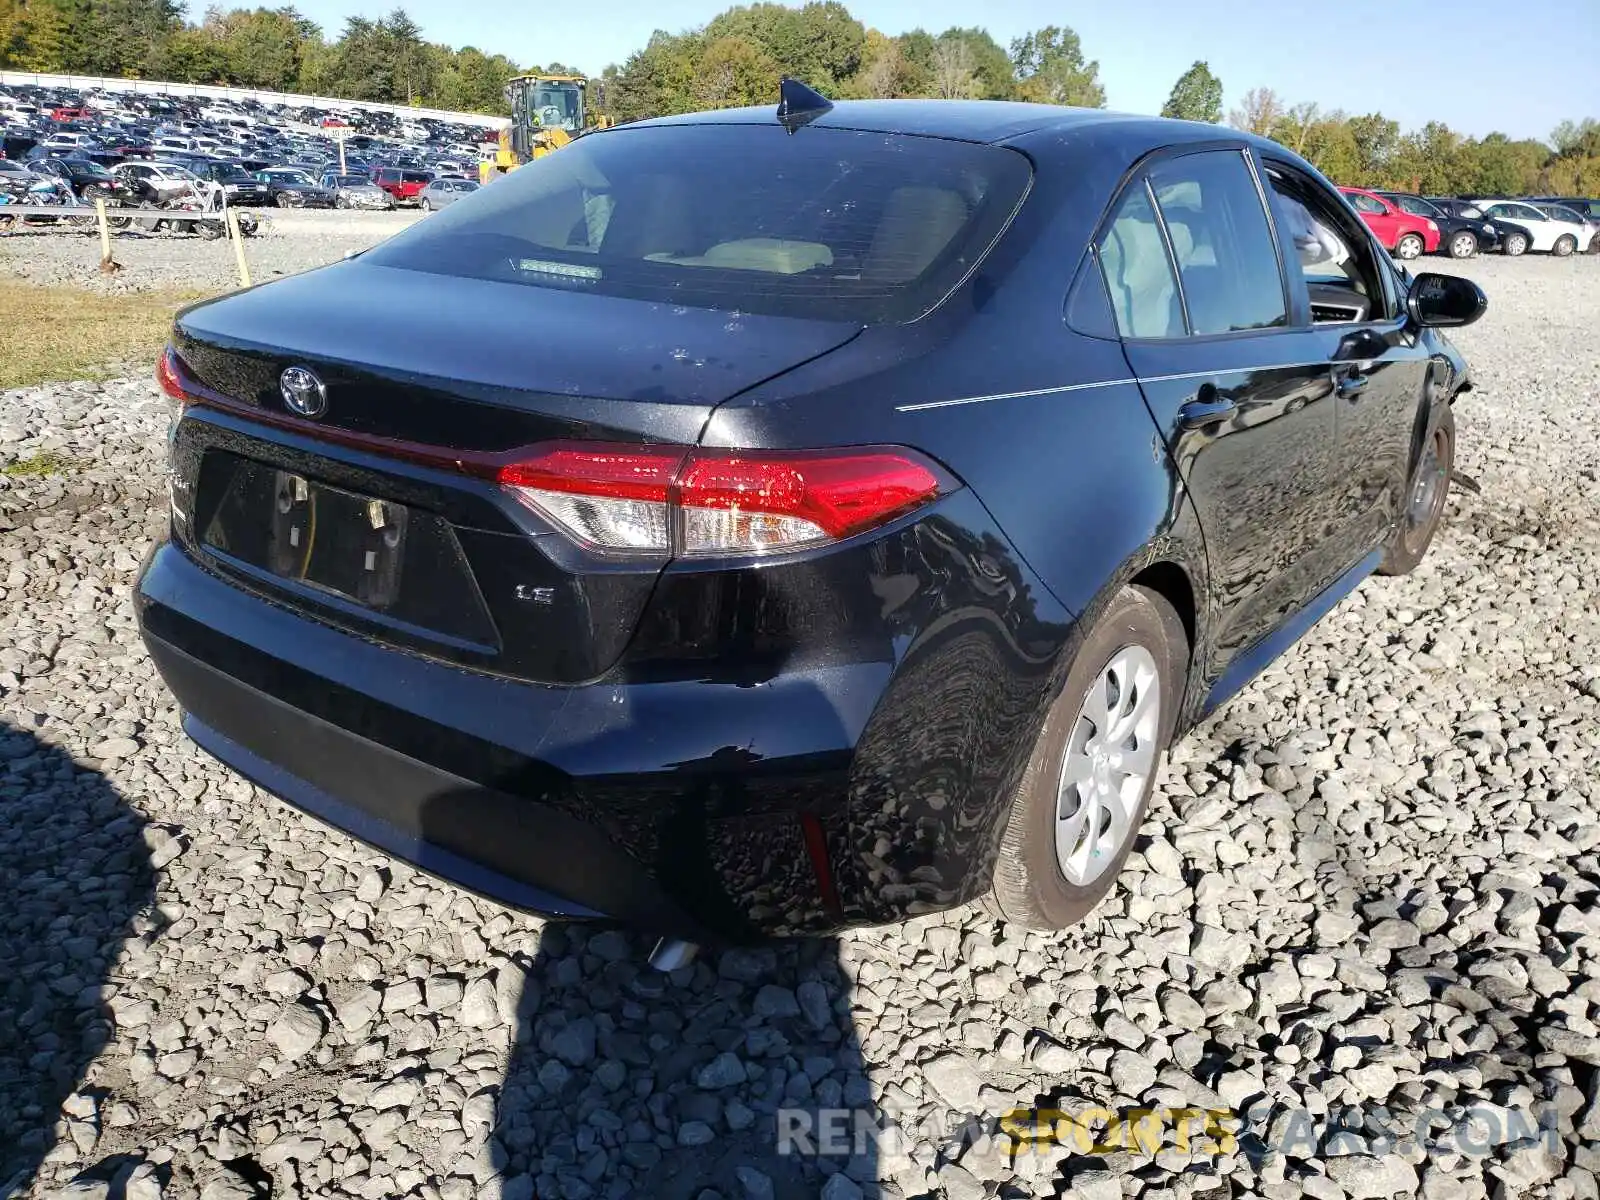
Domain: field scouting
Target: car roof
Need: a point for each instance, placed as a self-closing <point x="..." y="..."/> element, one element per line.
<point x="961" y="120"/>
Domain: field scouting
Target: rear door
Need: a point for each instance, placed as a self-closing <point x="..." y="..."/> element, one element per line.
<point x="1351" y="304"/>
<point x="1241" y="391"/>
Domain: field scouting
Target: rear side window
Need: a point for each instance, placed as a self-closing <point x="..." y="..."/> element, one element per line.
<point x="1221" y="241"/>
<point x="1138" y="273"/>
<point x="841" y="224"/>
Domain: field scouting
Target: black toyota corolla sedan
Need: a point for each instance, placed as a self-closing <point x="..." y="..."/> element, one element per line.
<point x="743" y="524"/>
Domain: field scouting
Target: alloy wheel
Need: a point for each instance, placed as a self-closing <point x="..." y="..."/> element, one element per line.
<point x="1110" y="756"/>
<point x="1463" y="245"/>
<point x="1515" y="244"/>
<point x="1410" y="246"/>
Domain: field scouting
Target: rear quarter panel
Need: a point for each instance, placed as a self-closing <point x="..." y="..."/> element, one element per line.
<point x="1051" y="435"/>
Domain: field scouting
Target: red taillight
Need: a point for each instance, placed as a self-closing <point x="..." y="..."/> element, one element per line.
<point x="169" y="376"/>
<point x="702" y="502"/>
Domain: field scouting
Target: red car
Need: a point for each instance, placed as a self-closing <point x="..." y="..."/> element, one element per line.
<point x="1404" y="234"/>
<point x="61" y="115"/>
<point x="403" y="185"/>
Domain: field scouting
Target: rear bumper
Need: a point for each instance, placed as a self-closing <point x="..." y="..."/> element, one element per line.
<point x="615" y="801"/>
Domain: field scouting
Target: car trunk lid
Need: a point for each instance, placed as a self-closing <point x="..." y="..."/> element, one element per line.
<point x="370" y="515"/>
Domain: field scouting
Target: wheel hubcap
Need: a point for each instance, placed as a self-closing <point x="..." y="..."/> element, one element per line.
<point x="1111" y="753"/>
<point x="1429" y="489"/>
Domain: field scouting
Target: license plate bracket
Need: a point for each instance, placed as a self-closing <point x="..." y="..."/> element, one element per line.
<point x="335" y="540"/>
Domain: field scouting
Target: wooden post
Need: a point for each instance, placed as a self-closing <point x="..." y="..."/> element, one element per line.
<point x="238" y="246"/>
<point x="106" y="265"/>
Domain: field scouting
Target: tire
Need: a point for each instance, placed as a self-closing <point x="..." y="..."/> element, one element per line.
<point x="340" y="202"/>
<point x="426" y="205"/>
<point x="1410" y="246"/>
<point x="1516" y="245"/>
<point x="1427" y="492"/>
<point x="1565" y="245"/>
<point x="282" y="200"/>
<point x="1031" y="887"/>
<point x="1463" y="245"/>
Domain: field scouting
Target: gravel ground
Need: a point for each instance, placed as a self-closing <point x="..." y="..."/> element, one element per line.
<point x="289" y="241"/>
<point x="1370" y="881"/>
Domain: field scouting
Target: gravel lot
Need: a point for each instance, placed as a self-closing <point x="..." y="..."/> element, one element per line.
<point x="289" y="241"/>
<point x="1370" y="881"/>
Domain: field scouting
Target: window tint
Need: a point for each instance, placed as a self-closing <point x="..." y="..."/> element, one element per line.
<point x="833" y="223"/>
<point x="1330" y="250"/>
<point x="1138" y="273"/>
<point x="1222" y="242"/>
<point x="1364" y="204"/>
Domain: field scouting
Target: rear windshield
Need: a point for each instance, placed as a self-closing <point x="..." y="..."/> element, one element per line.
<point x="842" y="224"/>
<point x="415" y="177"/>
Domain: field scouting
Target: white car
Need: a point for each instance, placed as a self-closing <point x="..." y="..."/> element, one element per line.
<point x="156" y="180"/>
<point x="1589" y="243"/>
<point x="1545" y="233"/>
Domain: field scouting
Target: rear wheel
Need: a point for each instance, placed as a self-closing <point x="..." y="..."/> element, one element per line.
<point x="1565" y="245"/>
<point x="1425" y="499"/>
<point x="1408" y="247"/>
<point x="1083" y="795"/>
<point x="426" y="205"/>
<point x="1463" y="245"/>
<point x="1516" y="243"/>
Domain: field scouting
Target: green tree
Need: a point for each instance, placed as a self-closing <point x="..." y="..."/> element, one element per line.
<point x="732" y="72"/>
<point x="262" y="45"/>
<point x="41" y="36"/>
<point x="411" y="62"/>
<point x="1197" y="96"/>
<point x="194" y="56"/>
<point x="820" y="42"/>
<point x="1377" y="141"/>
<point x="1577" y="139"/>
<point x="656" y="80"/>
<point x="1050" y="66"/>
<point x="1331" y="148"/>
<point x="121" y="37"/>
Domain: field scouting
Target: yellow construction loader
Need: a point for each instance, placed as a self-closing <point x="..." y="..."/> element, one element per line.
<point x="547" y="112"/>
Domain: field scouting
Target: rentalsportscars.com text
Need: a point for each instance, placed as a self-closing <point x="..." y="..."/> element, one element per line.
<point x="1473" y="1131"/>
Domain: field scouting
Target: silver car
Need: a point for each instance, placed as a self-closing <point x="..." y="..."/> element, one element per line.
<point x="356" y="191"/>
<point x="444" y="191"/>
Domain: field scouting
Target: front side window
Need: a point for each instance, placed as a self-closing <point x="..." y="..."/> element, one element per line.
<point x="1332" y="252"/>
<point x="1222" y="242"/>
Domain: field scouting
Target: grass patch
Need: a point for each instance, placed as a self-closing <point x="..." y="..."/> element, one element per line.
<point x="50" y="333"/>
<point x="46" y="462"/>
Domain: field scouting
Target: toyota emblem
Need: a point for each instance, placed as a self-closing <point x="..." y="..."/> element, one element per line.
<point x="303" y="392"/>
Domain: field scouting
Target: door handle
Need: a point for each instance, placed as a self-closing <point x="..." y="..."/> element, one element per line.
<point x="1351" y="384"/>
<point x="1197" y="414"/>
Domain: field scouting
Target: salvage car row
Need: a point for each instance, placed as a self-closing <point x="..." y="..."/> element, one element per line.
<point x="1409" y="225"/>
<point x="130" y="149"/>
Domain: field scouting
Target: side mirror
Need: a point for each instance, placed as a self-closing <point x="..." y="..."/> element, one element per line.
<point x="1445" y="301"/>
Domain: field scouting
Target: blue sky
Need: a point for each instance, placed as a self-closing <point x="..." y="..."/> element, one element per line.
<point x="1462" y="62"/>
